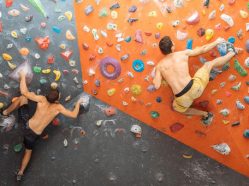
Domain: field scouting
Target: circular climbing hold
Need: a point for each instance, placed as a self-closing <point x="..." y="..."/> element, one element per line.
<point x="138" y="65"/>
<point x="158" y="99"/>
<point x="18" y="147"/>
<point x="108" y="61"/>
<point x="231" y="39"/>
<point x="154" y="114"/>
<point x="24" y="51"/>
<point x="136" y="89"/>
<point x="246" y="133"/>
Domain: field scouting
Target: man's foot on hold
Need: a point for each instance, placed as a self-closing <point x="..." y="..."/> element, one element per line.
<point x="208" y="119"/>
<point x="19" y="176"/>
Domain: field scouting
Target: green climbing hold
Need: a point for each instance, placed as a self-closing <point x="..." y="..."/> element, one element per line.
<point x="239" y="68"/>
<point x="236" y="87"/>
<point x="37" y="69"/>
<point x="43" y="81"/>
<point x="154" y="114"/>
<point x="18" y="147"/>
<point x="103" y="12"/>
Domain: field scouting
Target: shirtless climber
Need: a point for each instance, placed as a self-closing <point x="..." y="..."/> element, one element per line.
<point x="174" y="68"/>
<point x="47" y="109"/>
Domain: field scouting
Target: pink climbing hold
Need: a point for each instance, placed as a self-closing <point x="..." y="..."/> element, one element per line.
<point x="138" y="36"/>
<point x="194" y="18"/>
<point x="231" y="2"/>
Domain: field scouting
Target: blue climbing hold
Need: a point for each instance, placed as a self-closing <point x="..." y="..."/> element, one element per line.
<point x="189" y="44"/>
<point x="158" y="99"/>
<point x="56" y="29"/>
<point x="246" y="99"/>
<point x="28" y="39"/>
<point x="246" y="133"/>
<point x="128" y="39"/>
<point x="231" y="39"/>
<point x="138" y="65"/>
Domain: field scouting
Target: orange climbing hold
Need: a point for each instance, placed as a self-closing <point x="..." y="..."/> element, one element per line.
<point x="24" y="51"/>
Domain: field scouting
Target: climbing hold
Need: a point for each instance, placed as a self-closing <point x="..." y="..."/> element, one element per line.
<point x="240" y="34"/>
<point x="97" y="83"/>
<point x="103" y="12"/>
<point x="246" y="99"/>
<point x="128" y="39"/>
<point x="225" y="112"/>
<point x="1" y="105"/>
<point x="247" y="45"/>
<point x="124" y="57"/>
<point x="37" y="69"/>
<point x="91" y="72"/>
<point x="46" y="71"/>
<point x="114" y="14"/>
<point x="175" y="23"/>
<point x="175" y="127"/>
<point x="115" y="6"/>
<point x="69" y="35"/>
<point x="154" y="114"/>
<point x="151" y="88"/>
<point x="236" y="87"/>
<point x="222" y="148"/>
<point x="43" y="81"/>
<point x="236" y="123"/>
<point x="136" y="90"/>
<point x="243" y="14"/>
<point x="57" y="74"/>
<point x="132" y="9"/>
<point x="88" y="10"/>
<point x="246" y="133"/>
<point x="158" y="99"/>
<point x="110" y="111"/>
<point x="181" y="35"/>
<point x="132" y="20"/>
<point x="112" y="26"/>
<point x="218" y="101"/>
<point x="218" y="26"/>
<point x="14" y="34"/>
<point x="28" y="18"/>
<point x="61" y="18"/>
<point x="66" y="54"/>
<point x="212" y="15"/>
<point x="193" y="19"/>
<point x="43" y="24"/>
<point x="232" y="77"/>
<point x="137" y="130"/>
<point x="69" y="15"/>
<point x="14" y="12"/>
<point x="206" y="3"/>
<point x="150" y="63"/>
<point x="18" y="147"/>
<point x="56" y="29"/>
<point x="152" y="14"/>
<point x="28" y="39"/>
<point x="23" y="30"/>
<point x="159" y="26"/>
<point x="138" y="36"/>
<point x="157" y="35"/>
<point x="6" y="57"/>
<point x="108" y="61"/>
<point x="85" y="46"/>
<point x="239" y="68"/>
<point x="201" y="32"/>
<point x="43" y="43"/>
<point x="231" y="39"/>
<point x="111" y="92"/>
<point x="8" y="3"/>
<point x="138" y="65"/>
<point x="24" y="51"/>
<point x="239" y="105"/>
<point x="209" y="33"/>
<point x="228" y="19"/>
<point x="189" y="44"/>
<point x="100" y="50"/>
<point x="37" y="56"/>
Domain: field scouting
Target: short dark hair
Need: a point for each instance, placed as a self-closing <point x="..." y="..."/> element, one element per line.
<point x="165" y="45"/>
<point x="53" y="96"/>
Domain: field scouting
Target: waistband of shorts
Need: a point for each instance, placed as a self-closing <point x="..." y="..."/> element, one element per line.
<point x="185" y="89"/>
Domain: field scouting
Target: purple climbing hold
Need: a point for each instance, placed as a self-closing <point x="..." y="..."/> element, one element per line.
<point x="115" y="6"/>
<point x="132" y="20"/>
<point x="138" y="36"/>
<point x="132" y="9"/>
<point x="89" y="9"/>
<point x="157" y="35"/>
<point x="201" y="32"/>
<point x="247" y="45"/>
<point x="104" y="63"/>
<point x="151" y="88"/>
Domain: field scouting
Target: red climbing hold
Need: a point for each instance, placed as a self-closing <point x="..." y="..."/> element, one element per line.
<point x="67" y="54"/>
<point x="43" y="43"/>
<point x="1" y="26"/>
<point x="56" y="122"/>
<point x="51" y="59"/>
<point x="110" y="111"/>
<point x="8" y="3"/>
<point x="176" y="127"/>
<point x="204" y="104"/>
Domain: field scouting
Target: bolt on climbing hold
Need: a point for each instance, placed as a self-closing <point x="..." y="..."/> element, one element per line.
<point x="212" y="15"/>
<point x="218" y="101"/>
<point x="111" y="92"/>
<point x="37" y="69"/>
<point x="14" y="34"/>
<point x="14" y="12"/>
<point x="57" y="74"/>
<point x="246" y="133"/>
<point x="228" y="19"/>
<point x="110" y="111"/>
<point x="189" y="44"/>
<point x="243" y="14"/>
<point x="137" y="130"/>
<point x="222" y="148"/>
<point x="209" y="33"/>
<point x="132" y="9"/>
<point x="115" y="6"/>
<point x="6" y="57"/>
<point x="138" y="36"/>
<point x="239" y="68"/>
<point x="193" y="19"/>
<point x="136" y="90"/>
<point x="239" y="105"/>
<point x="88" y="10"/>
<point x="236" y="123"/>
<point x="18" y="147"/>
<point x="175" y="23"/>
<point x="236" y="87"/>
<point x="154" y="114"/>
<point x="225" y="112"/>
<point x="181" y="35"/>
<point x="103" y="12"/>
<point x="232" y="77"/>
<point x="246" y="99"/>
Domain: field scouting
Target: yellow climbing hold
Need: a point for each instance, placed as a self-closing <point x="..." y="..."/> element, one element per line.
<point x="136" y="90"/>
<point x="152" y="14"/>
<point x="24" y="51"/>
<point x="209" y="34"/>
<point x="11" y="65"/>
<point x="111" y="92"/>
<point x="46" y="71"/>
<point x="14" y="34"/>
<point x="6" y="57"/>
<point x="159" y="26"/>
<point x="225" y="122"/>
<point x="133" y="99"/>
<point x="57" y="74"/>
<point x="69" y="15"/>
<point x="1" y="105"/>
<point x="63" y="46"/>
<point x="69" y="35"/>
<point x="114" y="14"/>
<point x="243" y="14"/>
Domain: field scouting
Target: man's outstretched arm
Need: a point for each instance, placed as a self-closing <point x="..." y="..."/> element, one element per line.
<point x="205" y="48"/>
<point x="24" y="90"/>
<point x="69" y="113"/>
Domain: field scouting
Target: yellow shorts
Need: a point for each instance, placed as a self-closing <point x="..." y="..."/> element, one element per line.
<point x="200" y="81"/>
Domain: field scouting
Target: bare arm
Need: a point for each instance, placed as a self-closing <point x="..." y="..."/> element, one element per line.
<point x="69" y="113"/>
<point x="205" y="48"/>
<point x="24" y="90"/>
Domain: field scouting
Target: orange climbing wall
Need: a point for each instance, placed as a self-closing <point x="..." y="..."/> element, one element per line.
<point x="193" y="134"/>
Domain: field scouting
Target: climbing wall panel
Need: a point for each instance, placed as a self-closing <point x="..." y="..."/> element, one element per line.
<point x="118" y="30"/>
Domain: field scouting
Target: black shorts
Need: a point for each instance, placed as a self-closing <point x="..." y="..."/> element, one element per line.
<point x="30" y="137"/>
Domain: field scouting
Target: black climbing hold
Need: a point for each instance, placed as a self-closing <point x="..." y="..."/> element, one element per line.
<point x="158" y="99"/>
<point x="236" y="123"/>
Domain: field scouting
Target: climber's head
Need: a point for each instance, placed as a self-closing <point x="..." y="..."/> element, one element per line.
<point x="53" y="96"/>
<point x="166" y="45"/>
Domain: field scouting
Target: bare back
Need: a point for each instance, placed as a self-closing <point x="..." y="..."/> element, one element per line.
<point x="44" y="114"/>
<point x="175" y="70"/>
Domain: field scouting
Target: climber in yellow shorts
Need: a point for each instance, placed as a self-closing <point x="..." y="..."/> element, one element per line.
<point x="174" y="68"/>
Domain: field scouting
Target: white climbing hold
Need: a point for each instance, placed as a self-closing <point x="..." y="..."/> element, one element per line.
<point x="194" y="18"/>
<point x="175" y="23"/>
<point x="130" y="74"/>
<point x="118" y="47"/>
<point x="24" y="8"/>
<point x="247" y="62"/>
<point x="150" y="63"/>
<point x="222" y="148"/>
<point x="99" y="122"/>
<point x="239" y="105"/>
<point x="228" y="19"/>
<point x="37" y="56"/>
<point x="112" y="26"/>
<point x="91" y="72"/>
<point x="103" y="33"/>
<point x="136" y="129"/>
<point x="95" y="34"/>
<point x="181" y="35"/>
<point x="127" y="90"/>
<point x="178" y="3"/>
<point x="222" y="7"/>
<point x="124" y="103"/>
<point x="232" y="77"/>
<point x="86" y="29"/>
<point x="212" y="15"/>
<point x="10" y="45"/>
<point x="23" y="30"/>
